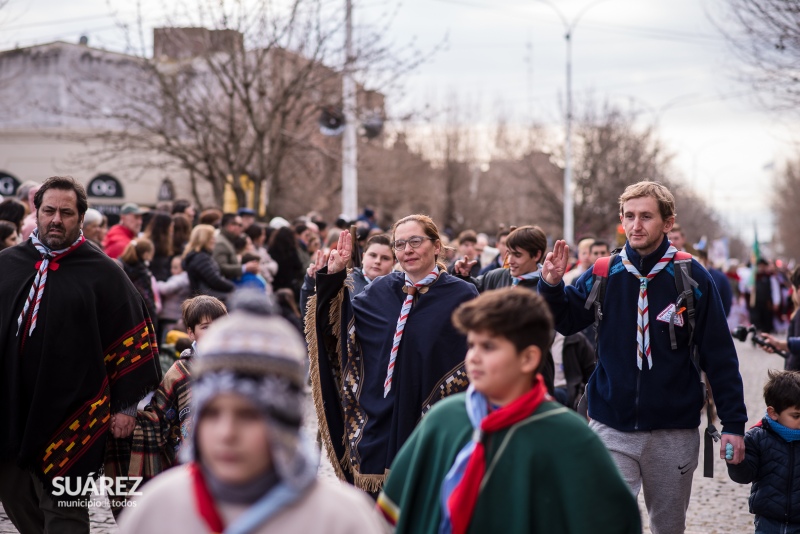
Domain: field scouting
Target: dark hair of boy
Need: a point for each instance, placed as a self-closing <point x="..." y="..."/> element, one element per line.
<point x="380" y="239"/>
<point x="201" y="307"/>
<point x="600" y="243"/>
<point x="240" y="243"/>
<point x="522" y="317"/>
<point x="531" y="239"/>
<point x="501" y="234"/>
<point x="782" y="390"/>
<point x="249" y="256"/>
<point x="254" y="231"/>
<point x="180" y="205"/>
<point x="226" y="219"/>
<point x="468" y="236"/>
<point x="182" y="344"/>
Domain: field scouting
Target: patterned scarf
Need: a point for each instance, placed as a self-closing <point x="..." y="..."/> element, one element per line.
<point x="411" y="290"/>
<point x="788" y="434"/>
<point x="643" y="320"/>
<point x="462" y="483"/>
<point x="515" y="280"/>
<point x="49" y="262"/>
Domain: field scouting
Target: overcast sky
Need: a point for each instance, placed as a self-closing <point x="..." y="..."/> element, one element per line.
<point x="663" y="57"/>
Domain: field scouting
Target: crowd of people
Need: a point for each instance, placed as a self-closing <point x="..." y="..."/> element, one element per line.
<point x="464" y="384"/>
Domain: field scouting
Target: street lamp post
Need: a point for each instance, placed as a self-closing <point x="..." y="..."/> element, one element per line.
<point x="349" y="140"/>
<point x="569" y="200"/>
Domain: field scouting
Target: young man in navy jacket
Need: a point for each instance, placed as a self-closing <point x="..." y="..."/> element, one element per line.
<point x="644" y="397"/>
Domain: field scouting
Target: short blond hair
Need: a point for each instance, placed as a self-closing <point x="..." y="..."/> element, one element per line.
<point x="656" y="190"/>
<point x="199" y="239"/>
<point x="585" y="243"/>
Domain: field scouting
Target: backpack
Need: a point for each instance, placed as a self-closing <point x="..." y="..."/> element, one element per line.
<point x="685" y="285"/>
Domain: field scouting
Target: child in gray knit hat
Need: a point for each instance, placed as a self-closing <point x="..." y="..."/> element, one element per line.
<point x="250" y="467"/>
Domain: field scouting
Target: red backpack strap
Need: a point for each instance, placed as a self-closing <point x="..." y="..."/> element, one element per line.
<point x="598" y="292"/>
<point x="599" y="276"/>
<point x="682" y="256"/>
<point x="601" y="266"/>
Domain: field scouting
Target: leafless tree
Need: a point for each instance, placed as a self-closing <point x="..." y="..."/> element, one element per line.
<point x="612" y="152"/>
<point x="785" y="199"/>
<point x="765" y="34"/>
<point x="235" y="100"/>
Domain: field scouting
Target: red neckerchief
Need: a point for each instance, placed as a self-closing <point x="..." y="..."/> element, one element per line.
<point x="204" y="500"/>
<point x="462" y="501"/>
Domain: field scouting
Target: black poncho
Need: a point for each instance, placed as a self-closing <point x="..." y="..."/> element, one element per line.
<point x="91" y="354"/>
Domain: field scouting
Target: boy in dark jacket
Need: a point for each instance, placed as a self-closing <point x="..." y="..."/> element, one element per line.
<point x="772" y="451"/>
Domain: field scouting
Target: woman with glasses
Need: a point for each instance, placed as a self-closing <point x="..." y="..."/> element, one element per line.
<point x="380" y="362"/>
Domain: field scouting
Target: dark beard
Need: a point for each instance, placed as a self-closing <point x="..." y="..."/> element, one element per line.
<point x="58" y="242"/>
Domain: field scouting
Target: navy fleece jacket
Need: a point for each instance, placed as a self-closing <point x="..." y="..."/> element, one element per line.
<point x="670" y="395"/>
<point x="770" y="463"/>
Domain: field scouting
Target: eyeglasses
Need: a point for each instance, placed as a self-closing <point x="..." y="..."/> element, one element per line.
<point x="414" y="241"/>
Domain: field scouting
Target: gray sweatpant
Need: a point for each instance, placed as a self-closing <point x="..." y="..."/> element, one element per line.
<point x="661" y="462"/>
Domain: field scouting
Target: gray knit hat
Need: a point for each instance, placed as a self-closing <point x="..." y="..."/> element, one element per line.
<point x="252" y="345"/>
<point x="263" y="358"/>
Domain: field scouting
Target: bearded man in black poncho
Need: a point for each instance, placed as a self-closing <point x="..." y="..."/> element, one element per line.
<point x="77" y="353"/>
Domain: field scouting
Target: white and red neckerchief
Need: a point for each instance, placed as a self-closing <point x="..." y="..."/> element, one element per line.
<point x="49" y="262"/>
<point x="643" y="319"/>
<point x="411" y="290"/>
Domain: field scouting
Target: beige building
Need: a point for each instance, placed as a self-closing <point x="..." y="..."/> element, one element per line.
<point x="43" y="122"/>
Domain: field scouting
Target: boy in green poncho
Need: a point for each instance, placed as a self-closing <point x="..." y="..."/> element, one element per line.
<point x="505" y="457"/>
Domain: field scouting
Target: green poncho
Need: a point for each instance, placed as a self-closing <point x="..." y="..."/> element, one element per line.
<point x="549" y="473"/>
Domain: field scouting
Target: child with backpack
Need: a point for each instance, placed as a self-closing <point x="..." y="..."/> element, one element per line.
<point x="504" y="456"/>
<point x="772" y="454"/>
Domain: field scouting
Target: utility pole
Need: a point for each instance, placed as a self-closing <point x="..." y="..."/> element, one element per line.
<point x="349" y="139"/>
<point x="569" y="198"/>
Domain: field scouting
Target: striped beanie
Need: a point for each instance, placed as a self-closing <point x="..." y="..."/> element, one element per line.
<point x="261" y="356"/>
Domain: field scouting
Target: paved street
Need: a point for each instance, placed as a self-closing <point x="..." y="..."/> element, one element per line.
<point x="718" y="505"/>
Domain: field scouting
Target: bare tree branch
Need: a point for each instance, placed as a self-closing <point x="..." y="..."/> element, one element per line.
<point x="232" y="96"/>
<point x="765" y="35"/>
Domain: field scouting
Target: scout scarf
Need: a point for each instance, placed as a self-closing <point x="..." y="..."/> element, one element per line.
<point x="278" y="498"/>
<point x="643" y="319"/>
<point x="462" y="483"/>
<point x="411" y="290"/>
<point x="515" y="280"/>
<point x="49" y="262"/>
<point x="788" y="434"/>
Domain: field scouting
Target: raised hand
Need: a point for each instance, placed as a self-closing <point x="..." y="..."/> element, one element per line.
<point x="339" y="256"/>
<point x="555" y="263"/>
<point x="463" y="267"/>
<point x="317" y="264"/>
